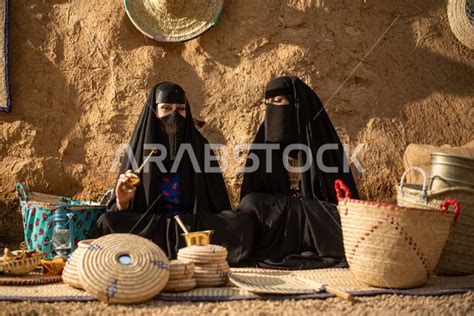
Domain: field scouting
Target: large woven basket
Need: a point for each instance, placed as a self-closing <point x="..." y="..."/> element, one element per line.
<point x="389" y="246"/>
<point x="457" y="257"/>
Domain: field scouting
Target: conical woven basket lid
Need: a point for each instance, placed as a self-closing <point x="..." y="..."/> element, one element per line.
<point x="173" y="20"/>
<point x="123" y="268"/>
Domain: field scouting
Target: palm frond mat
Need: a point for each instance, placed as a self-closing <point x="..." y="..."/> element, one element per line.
<point x="254" y="280"/>
<point x="4" y="85"/>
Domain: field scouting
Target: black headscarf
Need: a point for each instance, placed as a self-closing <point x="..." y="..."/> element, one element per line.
<point x="202" y="192"/>
<point x="305" y="122"/>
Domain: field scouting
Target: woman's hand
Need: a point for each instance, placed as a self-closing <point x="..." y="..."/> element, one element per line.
<point x="123" y="196"/>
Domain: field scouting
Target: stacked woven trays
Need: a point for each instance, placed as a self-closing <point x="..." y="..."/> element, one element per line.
<point x="181" y="277"/>
<point x="210" y="264"/>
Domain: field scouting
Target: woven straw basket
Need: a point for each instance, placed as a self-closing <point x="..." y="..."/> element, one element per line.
<point x="71" y="270"/>
<point x="389" y="246"/>
<point x="123" y="269"/>
<point x="20" y="266"/>
<point x="457" y="257"/>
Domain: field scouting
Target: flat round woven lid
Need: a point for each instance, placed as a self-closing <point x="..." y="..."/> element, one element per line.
<point x="204" y="250"/>
<point x="203" y="254"/>
<point x="461" y="20"/>
<point x="123" y="268"/>
<point x="173" y="20"/>
<point x="180" y="265"/>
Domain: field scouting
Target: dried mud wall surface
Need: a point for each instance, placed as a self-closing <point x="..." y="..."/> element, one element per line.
<point x="80" y="72"/>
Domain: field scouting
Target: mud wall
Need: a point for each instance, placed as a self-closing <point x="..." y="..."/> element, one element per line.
<point x="389" y="72"/>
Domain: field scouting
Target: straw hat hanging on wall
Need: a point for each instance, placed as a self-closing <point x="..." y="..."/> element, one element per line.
<point x="461" y="20"/>
<point x="174" y="20"/>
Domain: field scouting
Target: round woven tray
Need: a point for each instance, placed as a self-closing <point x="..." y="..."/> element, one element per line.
<point x="30" y="279"/>
<point x="107" y="277"/>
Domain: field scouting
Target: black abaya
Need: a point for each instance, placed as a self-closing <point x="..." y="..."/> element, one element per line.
<point x="304" y="232"/>
<point x="204" y="194"/>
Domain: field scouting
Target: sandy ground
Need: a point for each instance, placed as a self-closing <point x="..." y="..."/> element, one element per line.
<point x="386" y="304"/>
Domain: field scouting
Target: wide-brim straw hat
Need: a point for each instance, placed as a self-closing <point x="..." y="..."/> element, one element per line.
<point x="174" y="20"/>
<point x="461" y="20"/>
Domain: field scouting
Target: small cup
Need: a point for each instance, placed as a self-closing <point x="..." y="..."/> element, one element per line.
<point x="133" y="182"/>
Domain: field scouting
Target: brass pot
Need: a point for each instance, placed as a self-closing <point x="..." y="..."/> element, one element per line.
<point x="451" y="171"/>
<point x="198" y="238"/>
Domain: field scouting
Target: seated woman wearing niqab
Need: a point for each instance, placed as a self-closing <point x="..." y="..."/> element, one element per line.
<point x="297" y="223"/>
<point x="199" y="197"/>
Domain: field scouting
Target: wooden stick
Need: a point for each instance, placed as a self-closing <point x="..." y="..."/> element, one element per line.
<point x="145" y="161"/>
<point x="180" y="223"/>
<point x="339" y="293"/>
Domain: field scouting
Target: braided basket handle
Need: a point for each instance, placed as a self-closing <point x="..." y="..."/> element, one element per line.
<point x="423" y="188"/>
<point x="342" y="191"/>
<point x="445" y="207"/>
<point x="22" y="192"/>
<point x="106" y="194"/>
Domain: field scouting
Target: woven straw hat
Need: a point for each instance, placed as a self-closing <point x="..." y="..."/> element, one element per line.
<point x="461" y="20"/>
<point x="123" y="268"/>
<point x="173" y="20"/>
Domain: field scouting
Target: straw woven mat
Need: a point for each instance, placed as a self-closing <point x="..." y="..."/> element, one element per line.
<point x="339" y="278"/>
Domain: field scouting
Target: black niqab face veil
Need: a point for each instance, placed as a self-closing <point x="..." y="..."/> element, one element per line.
<point x="201" y="192"/>
<point x="303" y="121"/>
<point x="280" y="120"/>
<point x="174" y="123"/>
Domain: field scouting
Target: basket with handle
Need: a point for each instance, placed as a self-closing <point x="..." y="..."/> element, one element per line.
<point x="390" y="246"/>
<point x="457" y="257"/>
<point x="38" y="213"/>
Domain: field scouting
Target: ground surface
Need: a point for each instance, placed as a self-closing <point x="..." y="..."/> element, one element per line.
<point x="386" y="304"/>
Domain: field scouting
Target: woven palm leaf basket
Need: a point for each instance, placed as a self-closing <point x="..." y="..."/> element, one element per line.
<point x="390" y="246"/>
<point x="457" y="257"/>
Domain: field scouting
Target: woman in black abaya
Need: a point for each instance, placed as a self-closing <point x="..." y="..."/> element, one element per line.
<point x="199" y="197"/>
<point x="298" y="226"/>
